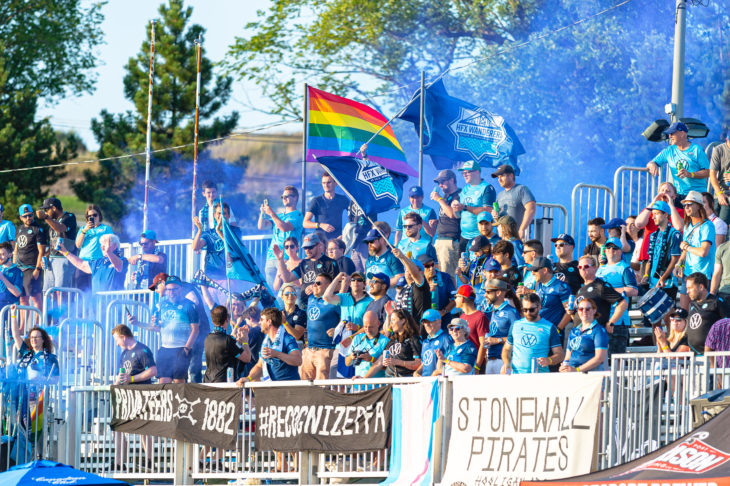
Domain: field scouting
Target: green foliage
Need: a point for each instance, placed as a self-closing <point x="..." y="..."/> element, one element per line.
<point x="173" y="112"/>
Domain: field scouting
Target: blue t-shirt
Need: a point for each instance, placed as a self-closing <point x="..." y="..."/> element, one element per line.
<point x="480" y="195"/>
<point x="321" y="317"/>
<point x="215" y="252"/>
<point x="502" y="319"/>
<point x="518" y="261"/>
<point x="694" y="263"/>
<point x="692" y="159"/>
<point x="442" y="295"/>
<point x="104" y="277"/>
<point x="427" y="214"/>
<point x="91" y="249"/>
<point x="36" y="366"/>
<point x="673" y="241"/>
<point x="554" y="294"/>
<point x="422" y="246"/>
<point x="583" y="345"/>
<point x="465" y="352"/>
<point x="296" y="218"/>
<point x="175" y="322"/>
<point x="440" y="340"/>
<point x="618" y="275"/>
<point x="386" y="263"/>
<point x="278" y="369"/>
<point x="15" y="276"/>
<point x="7" y="231"/>
<point x="361" y="343"/>
<point x="352" y="311"/>
<point x="531" y="340"/>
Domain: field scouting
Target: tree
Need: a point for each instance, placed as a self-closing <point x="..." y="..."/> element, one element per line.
<point x="46" y="51"/>
<point x="115" y="186"/>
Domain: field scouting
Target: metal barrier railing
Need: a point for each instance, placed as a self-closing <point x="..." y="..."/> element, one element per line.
<point x="116" y="313"/>
<point x="633" y="190"/>
<point x="33" y="317"/>
<point x="588" y="201"/>
<point x="550" y="221"/>
<point x="80" y="352"/>
<point x="60" y="303"/>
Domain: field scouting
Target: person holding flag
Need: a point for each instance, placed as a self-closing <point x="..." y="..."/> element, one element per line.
<point x="476" y="196"/>
<point x="285" y="224"/>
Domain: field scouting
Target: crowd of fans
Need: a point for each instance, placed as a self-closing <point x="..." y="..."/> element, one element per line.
<point x="458" y="289"/>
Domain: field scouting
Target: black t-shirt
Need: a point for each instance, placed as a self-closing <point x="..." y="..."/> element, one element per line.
<point x="603" y="295"/>
<point x="362" y="225"/>
<point x="255" y="340"/>
<point x="378" y="306"/>
<point x="221" y="353"/>
<point x="420" y="299"/>
<point x="297" y="318"/>
<point x="568" y="273"/>
<point x="407" y="350"/>
<point x="329" y="211"/>
<point x="68" y="220"/>
<point x="595" y="250"/>
<point x="511" y="275"/>
<point x="345" y="264"/>
<point x="702" y="315"/>
<point x="136" y="360"/>
<point x="449" y="227"/>
<point x="27" y="239"/>
<point x="307" y="271"/>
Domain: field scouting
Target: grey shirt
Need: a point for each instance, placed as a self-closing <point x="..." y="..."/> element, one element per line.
<point x="513" y="202"/>
<point x="722" y="256"/>
<point x="720" y="163"/>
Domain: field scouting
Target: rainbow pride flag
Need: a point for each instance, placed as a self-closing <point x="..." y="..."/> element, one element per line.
<point x="339" y="126"/>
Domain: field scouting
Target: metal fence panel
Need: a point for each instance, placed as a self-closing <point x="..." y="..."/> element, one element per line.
<point x="33" y="318"/>
<point x="64" y="303"/>
<point x="588" y="201"/>
<point x="633" y="190"/>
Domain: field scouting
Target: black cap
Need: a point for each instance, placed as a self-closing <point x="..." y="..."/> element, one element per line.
<point x="51" y="202"/>
<point x="503" y="169"/>
<point x="478" y="243"/>
<point x="679" y="312"/>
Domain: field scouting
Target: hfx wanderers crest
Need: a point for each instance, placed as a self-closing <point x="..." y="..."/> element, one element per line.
<point x="377" y="179"/>
<point x="479" y="133"/>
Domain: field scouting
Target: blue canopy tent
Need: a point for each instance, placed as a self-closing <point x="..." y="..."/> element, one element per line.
<point x="49" y="472"/>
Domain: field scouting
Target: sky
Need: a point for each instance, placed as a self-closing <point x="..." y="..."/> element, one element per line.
<point x="125" y="26"/>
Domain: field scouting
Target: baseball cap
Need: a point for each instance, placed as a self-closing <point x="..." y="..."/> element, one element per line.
<point x="503" y="169"/>
<point x="401" y="282"/>
<point x="416" y="191"/>
<point x="24" y="209"/>
<point x="564" y="237"/>
<point x="695" y="197"/>
<point x="491" y="265"/>
<point x="485" y="216"/>
<point x="425" y="258"/>
<point x="660" y="206"/>
<point x="172" y="279"/>
<point x="160" y="277"/>
<point x="679" y="312"/>
<point x="479" y="242"/>
<point x="676" y="127"/>
<point x="496" y="284"/>
<point x="372" y="235"/>
<point x="51" y="202"/>
<point x="465" y="291"/>
<point x="614" y="223"/>
<point x="471" y="165"/>
<point x="149" y="234"/>
<point x="541" y="262"/>
<point x="459" y="323"/>
<point x="614" y="241"/>
<point x="380" y="276"/>
<point x="310" y="240"/>
<point x="445" y="175"/>
<point x="431" y="315"/>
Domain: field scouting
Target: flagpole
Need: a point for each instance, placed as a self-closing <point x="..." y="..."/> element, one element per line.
<point x="420" y="132"/>
<point x="225" y="249"/>
<point x="347" y="193"/>
<point x="198" y="43"/>
<point x="149" y="127"/>
<point x="305" y="135"/>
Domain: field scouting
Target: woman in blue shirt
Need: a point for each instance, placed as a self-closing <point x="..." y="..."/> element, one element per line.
<point x="463" y="354"/>
<point x="36" y="358"/>
<point x="587" y="344"/>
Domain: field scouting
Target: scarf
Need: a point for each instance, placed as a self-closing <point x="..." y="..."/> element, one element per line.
<point x="663" y="249"/>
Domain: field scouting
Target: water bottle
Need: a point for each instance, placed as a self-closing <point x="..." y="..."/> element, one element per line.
<point x="45" y="263"/>
<point x="495" y="206"/>
<point x="58" y="245"/>
<point x="229" y="375"/>
<point x="571" y="303"/>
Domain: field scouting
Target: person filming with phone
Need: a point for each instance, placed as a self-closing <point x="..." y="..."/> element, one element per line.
<point x="87" y="241"/>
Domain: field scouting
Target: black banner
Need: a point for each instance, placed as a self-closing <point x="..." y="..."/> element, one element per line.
<point x="193" y="413"/>
<point x="315" y="419"/>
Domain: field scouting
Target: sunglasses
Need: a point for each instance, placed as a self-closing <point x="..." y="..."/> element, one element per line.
<point x="687" y="205"/>
<point x="529" y="251"/>
<point x="290" y="247"/>
<point x="357" y="280"/>
<point x="559" y="245"/>
<point x="375" y="281"/>
<point x="583" y="267"/>
<point x="288" y="294"/>
<point x="287" y="196"/>
<point x="93" y="215"/>
<point x="455" y="328"/>
<point x="429" y="265"/>
<point x="585" y="309"/>
<point x="676" y="318"/>
<point x="409" y="226"/>
<point x="372" y="242"/>
<point x="309" y="248"/>
<point x="529" y="309"/>
<point x="319" y="283"/>
<point x="612" y="248"/>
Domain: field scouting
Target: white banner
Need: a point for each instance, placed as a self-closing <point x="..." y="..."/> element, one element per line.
<point x="508" y="428"/>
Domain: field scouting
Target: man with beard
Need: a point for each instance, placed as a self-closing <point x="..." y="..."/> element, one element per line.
<point x="601" y="293"/>
<point x="597" y="235"/>
<point x="566" y="269"/>
<point x="442" y="288"/>
<point x="427" y="215"/>
<point x="306" y="272"/>
<point x="503" y="316"/>
<point x="62" y="224"/>
<point x="415" y="243"/>
<point x="687" y="161"/>
<point x="448" y="230"/>
<point x="322" y="318"/>
<point x="705" y="309"/>
<point x="378" y="284"/>
<point x="381" y="259"/>
<point x="178" y="327"/>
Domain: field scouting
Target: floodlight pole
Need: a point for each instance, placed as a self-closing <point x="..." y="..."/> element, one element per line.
<point x="680" y="25"/>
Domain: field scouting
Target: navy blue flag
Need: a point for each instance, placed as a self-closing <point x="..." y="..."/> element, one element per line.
<point x="373" y="187"/>
<point x="239" y="263"/>
<point x="456" y="130"/>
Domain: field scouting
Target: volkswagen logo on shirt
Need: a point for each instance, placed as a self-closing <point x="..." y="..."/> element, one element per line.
<point x="313" y="313"/>
<point x="528" y="340"/>
<point x="575" y="344"/>
<point x="428" y="357"/>
<point x="695" y="321"/>
<point x="169" y="315"/>
<point x="22" y="241"/>
<point x="218" y="245"/>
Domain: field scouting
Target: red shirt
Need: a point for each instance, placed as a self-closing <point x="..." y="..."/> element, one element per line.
<point x="478" y="326"/>
<point x="649" y="229"/>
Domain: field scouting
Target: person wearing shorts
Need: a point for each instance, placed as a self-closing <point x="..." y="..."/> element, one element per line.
<point x="178" y="330"/>
<point x="30" y="246"/>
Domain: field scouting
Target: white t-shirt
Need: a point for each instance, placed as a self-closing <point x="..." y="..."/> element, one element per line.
<point x="720" y="225"/>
